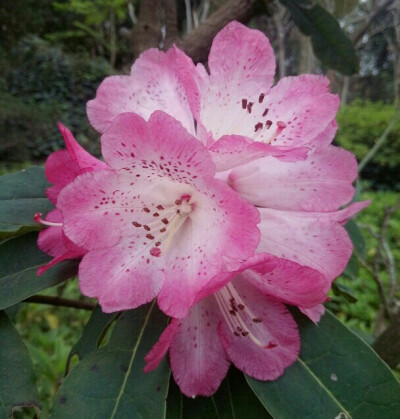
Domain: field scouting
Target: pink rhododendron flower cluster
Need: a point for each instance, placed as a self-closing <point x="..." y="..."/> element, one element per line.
<point x="219" y="195"/>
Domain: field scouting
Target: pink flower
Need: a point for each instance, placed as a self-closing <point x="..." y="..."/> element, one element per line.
<point x="158" y="223"/>
<point x="62" y="167"/>
<point x="245" y="322"/>
<point x="238" y="115"/>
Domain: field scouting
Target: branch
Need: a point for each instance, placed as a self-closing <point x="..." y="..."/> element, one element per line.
<point x="373" y="14"/>
<point x="380" y="141"/>
<point x="58" y="301"/>
<point x="197" y="43"/>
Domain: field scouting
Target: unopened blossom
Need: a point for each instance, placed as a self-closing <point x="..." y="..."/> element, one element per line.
<point x="62" y="167"/>
<point x="246" y="322"/>
<point x="158" y="223"/>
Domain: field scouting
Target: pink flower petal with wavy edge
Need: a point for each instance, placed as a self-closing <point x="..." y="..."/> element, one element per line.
<point x="261" y="339"/>
<point x="163" y="208"/>
<point x="322" y="182"/>
<point x="242" y="65"/>
<point x="198" y="360"/>
<point x="314" y="313"/>
<point x="160" y="349"/>
<point x="126" y="280"/>
<point x="316" y="240"/>
<point x="53" y="242"/>
<point x="286" y="281"/>
<point x="157" y="82"/>
<point x="62" y="167"/>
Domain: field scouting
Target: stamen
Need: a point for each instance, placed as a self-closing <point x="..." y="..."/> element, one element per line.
<point x="38" y="218"/>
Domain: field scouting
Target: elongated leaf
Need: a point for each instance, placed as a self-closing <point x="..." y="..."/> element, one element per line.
<point x="234" y="399"/>
<point x="17" y="381"/>
<point x="337" y="376"/>
<point x="357" y="237"/>
<point x="330" y="43"/>
<point x="19" y="260"/>
<point x="93" y="333"/>
<point x="22" y="194"/>
<point x="110" y="382"/>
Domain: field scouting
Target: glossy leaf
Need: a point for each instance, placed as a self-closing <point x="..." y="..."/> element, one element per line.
<point x="346" y="292"/>
<point x="357" y="237"/>
<point x="19" y="260"/>
<point x="234" y="399"/>
<point x="17" y="381"/>
<point x="22" y="194"/>
<point x="330" y="43"/>
<point x="110" y="382"/>
<point x="93" y="333"/>
<point x="337" y="376"/>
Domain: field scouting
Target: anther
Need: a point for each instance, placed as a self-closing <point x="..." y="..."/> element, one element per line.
<point x="178" y="202"/>
<point x="271" y="344"/>
<point x="258" y="126"/>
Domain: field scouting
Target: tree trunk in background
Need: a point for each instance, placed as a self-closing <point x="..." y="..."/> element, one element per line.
<point x="147" y="32"/>
<point x="306" y="57"/>
<point x="280" y="35"/>
<point x="197" y="43"/>
<point x="171" y="22"/>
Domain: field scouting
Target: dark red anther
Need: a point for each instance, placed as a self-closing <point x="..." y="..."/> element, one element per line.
<point x="249" y="106"/>
<point x="265" y="112"/>
<point x="244" y="103"/>
<point x="258" y="126"/>
<point x="261" y="98"/>
<point x="155" y="251"/>
<point x="271" y="344"/>
<point x="136" y="224"/>
<point x="268" y="124"/>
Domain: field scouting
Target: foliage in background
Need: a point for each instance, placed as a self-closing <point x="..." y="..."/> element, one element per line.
<point x="360" y="125"/>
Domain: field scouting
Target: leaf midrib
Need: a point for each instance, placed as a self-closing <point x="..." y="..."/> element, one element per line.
<point x="135" y="348"/>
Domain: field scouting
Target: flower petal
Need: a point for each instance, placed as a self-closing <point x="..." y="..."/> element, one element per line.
<point x="62" y="167"/>
<point x="242" y="66"/>
<point x="162" y="144"/>
<point x="198" y="360"/>
<point x="314" y="313"/>
<point x="157" y="82"/>
<point x="287" y="281"/>
<point x="267" y="321"/>
<point x="322" y="182"/>
<point x="124" y="281"/>
<point x="317" y="240"/>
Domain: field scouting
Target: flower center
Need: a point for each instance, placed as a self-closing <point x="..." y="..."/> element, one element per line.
<point x="240" y="319"/>
<point x="158" y="234"/>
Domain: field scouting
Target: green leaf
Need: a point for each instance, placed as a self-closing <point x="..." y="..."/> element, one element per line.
<point x="234" y="399"/>
<point x="19" y="260"/>
<point x="330" y="43"/>
<point x="110" y="382"/>
<point x="17" y="381"/>
<point x="356" y="237"/>
<point x="93" y="333"/>
<point x="346" y="292"/>
<point x="22" y="194"/>
<point x="337" y="375"/>
<point x="352" y="268"/>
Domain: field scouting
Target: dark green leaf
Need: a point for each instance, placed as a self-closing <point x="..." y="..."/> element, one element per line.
<point x="330" y="43"/>
<point x="19" y="260"/>
<point x="346" y="292"/>
<point x="357" y="237"/>
<point x="352" y="268"/>
<point x="337" y="376"/>
<point x="93" y="333"/>
<point x="17" y="381"/>
<point x="234" y="399"/>
<point x="22" y="194"/>
<point x="110" y="382"/>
